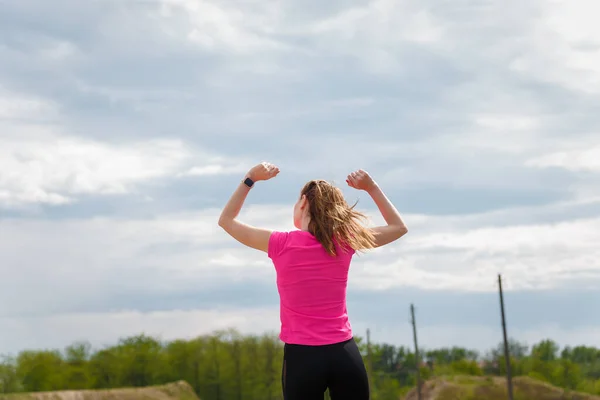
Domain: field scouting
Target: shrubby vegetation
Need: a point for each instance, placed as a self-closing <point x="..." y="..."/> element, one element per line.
<point x="229" y="366"/>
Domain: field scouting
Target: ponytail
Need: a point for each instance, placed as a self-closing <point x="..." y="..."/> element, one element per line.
<point x="333" y="220"/>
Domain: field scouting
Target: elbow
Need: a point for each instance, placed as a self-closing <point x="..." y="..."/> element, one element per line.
<point x="402" y="230"/>
<point x="389" y="233"/>
<point x="226" y="222"/>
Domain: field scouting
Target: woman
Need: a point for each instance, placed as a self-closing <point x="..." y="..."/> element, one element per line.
<point x="312" y="272"/>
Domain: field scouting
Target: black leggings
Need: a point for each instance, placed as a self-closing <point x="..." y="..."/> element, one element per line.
<point x="309" y="370"/>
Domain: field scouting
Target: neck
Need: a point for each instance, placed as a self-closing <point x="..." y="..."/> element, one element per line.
<point x="305" y="223"/>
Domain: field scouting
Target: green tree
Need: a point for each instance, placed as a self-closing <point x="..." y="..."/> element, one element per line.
<point x="252" y="375"/>
<point x="546" y="350"/>
<point x="140" y="358"/>
<point x="237" y="354"/>
<point x="105" y="368"/>
<point x="566" y="374"/>
<point x="466" y="367"/>
<point x="228" y="366"/>
<point x="9" y="380"/>
<point x="181" y="359"/>
<point x="77" y="374"/>
<point x="271" y="355"/>
<point x="40" y="370"/>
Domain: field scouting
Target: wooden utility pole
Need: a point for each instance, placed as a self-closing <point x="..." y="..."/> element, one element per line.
<point x="417" y="358"/>
<point x="370" y="362"/>
<point x="506" y="352"/>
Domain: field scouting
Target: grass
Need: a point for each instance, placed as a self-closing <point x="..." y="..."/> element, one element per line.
<point x="173" y="391"/>
<point x="488" y="388"/>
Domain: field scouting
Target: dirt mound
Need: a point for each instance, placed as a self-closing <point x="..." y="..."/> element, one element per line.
<point x="488" y="388"/>
<point x="173" y="391"/>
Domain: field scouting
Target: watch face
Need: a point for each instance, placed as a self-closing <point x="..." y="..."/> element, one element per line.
<point x="249" y="182"/>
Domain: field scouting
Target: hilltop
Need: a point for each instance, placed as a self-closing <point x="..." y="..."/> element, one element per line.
<point x="173" y="391"/>
<point x="493" y="388"/>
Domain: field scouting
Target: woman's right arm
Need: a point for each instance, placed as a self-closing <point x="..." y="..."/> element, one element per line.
<point x="395" y="227"/>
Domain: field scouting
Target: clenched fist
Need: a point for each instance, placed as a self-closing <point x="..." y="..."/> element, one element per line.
<point x="360" y="180"/>
<point x="263" y="172"/>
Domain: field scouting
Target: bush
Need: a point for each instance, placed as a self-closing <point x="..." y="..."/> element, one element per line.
<point x="465" y="367"/>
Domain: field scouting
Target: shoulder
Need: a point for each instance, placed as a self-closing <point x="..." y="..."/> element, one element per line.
<point x="279" y="240"/>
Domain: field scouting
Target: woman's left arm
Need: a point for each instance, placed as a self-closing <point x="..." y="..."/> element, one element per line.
<point x="257" y="238"/>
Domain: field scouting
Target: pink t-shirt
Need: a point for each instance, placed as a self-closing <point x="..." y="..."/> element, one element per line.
<point x="312" y="289"/>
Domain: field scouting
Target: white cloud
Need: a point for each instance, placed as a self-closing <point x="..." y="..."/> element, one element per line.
<point x="55" y="168"/>
<point x="102" y="329"/>
<point x="215" y="169"/>
<point x="563" y="46"/>
<point x="178" y="253"/>
<point x="41" y="164"/>
<point x="372" y="32"/>
<point x="534" y="256"/>
<point x="375" y="33"/>
<point x="17" y="106"/>
<point x="582" y="159"/>
<point x="501" y="133"/>
<point x="103" y="257"/>
<point x="221" y="26"/>
<point x="381" y="22"/>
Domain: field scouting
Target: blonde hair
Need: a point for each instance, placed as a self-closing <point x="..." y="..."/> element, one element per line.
<point x="333" y="220"/>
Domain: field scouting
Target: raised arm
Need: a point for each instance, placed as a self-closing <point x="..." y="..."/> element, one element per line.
<point x="395" y="227"/>
<point x="257" y="238"/>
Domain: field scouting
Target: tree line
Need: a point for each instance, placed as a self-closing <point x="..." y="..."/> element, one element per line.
<point x="226" y="365"/>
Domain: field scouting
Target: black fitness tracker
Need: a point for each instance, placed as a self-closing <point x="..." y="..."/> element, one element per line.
<point x="248" y="182"/>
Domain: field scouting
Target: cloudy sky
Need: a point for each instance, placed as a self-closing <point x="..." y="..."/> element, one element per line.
<point x="126" y="124"/>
